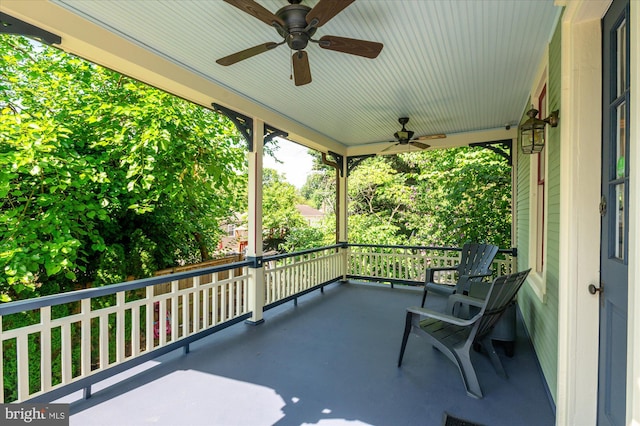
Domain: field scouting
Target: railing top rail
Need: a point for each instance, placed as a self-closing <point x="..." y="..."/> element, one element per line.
<point x="512" y="251"/>
<point x="302" y="252"/>
<point x="74" y="296"/>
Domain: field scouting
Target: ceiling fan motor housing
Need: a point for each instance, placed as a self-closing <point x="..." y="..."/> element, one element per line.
<point x="294" y="17"/>
<point x="403" y="136"/>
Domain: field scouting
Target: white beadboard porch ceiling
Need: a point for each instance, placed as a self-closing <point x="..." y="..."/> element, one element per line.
<point x="451" y="66"/>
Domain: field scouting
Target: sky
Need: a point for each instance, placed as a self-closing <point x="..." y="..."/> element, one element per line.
<point x="296" y="163"/>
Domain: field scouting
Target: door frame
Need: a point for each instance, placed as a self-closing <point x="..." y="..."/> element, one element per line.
<point x="633" y="339"/>
<point x="580" y="117"/>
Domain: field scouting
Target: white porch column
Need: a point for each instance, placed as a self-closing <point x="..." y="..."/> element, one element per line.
<point x="341" y="217"/>
<point x="254" y="246"/>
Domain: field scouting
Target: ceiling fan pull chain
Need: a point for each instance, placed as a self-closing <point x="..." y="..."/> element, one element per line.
<point x="290" y="65"/>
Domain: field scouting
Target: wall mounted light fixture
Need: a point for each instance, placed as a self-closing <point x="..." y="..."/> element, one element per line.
<point x="532" y="131"/>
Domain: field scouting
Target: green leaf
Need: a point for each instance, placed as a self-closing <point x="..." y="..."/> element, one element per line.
<point x="52" y="268"/>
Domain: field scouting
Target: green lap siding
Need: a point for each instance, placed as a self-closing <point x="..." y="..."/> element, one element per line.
<point x="541" y="317"/>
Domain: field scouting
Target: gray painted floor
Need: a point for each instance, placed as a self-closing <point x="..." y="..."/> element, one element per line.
<point x="330" y="360"/>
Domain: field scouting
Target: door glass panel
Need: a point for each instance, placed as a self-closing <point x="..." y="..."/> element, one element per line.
<point x="621" y="141"/>
<point x="619" y="222"/>
<point x="621" y="57"/>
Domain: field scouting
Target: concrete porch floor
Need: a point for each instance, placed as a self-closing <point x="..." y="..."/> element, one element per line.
<point x="329" y="360"/>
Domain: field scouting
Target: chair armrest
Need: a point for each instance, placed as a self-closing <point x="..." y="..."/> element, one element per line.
<point x="472" y="276"/>
<point x="442" y="316"/>
<point x="458" y="304"/>
<point x="429" y="272"/>
<point x="466" y="281"/>
<point x="466" y="300"/>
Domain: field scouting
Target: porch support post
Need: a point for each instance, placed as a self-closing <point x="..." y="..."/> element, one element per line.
<point x="341" y="198"/>
<point x="254" y="243"/>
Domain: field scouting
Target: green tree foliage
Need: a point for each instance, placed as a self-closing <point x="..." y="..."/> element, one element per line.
<point x="302" y="238"/>
<point x="379" y="196"/>
<point x="462" y="194"/>
<point x="435" y="198"/>
<point x="279" y="213"/>
<point x="320" y="188"/>
<point x="98" y="171"/>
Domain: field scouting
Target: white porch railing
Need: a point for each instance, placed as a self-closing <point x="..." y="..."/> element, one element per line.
<point x="84" y="336"/>
<point x="407" y="264"/>
<point x="290" y="275"/>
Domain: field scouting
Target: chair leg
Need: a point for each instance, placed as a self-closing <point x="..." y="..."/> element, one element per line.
<point x="468" y="373"/>
<point x="487" y="344"/>
<point x="424" y="296"/>
<point x="405" y="337"/>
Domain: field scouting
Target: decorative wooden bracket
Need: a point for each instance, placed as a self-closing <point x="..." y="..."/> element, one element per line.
<point x="338" y="161"/>
<point x="502" y="147"/>
<point x="353" y="161"/>
<point x="243" y="123"/>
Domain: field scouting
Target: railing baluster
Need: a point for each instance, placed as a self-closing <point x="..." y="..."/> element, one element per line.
<point x="149" y="313"/>
<point x="85" y="337"/>
<point x="22" y="350"/>
<point x="177" y="299"/>
<point x="196" y="305"/>
<point x="120" y="326"/>
<point x="135" y="330"/>
<point x="103" y="341"/>
<point x="179" y="324"/>
<point x="45" y="348"/>
<point x="67" y="350"/>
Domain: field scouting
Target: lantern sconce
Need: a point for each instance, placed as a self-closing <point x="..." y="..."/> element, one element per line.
<point x="532" y="131"/>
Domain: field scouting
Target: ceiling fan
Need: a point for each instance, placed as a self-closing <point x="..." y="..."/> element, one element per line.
<point x="405" y="137"/>
<point x="296" y="24"/>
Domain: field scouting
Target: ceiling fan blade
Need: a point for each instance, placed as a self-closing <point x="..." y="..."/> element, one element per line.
<point x="324" y="11"/>
<point x="247" y="53"/>
<point x="420" y="144"/>
<point x="301" y="69"/>
<point x="390" y="147"/>
<point x="367" y="49"/>
<point x="257" y="11"/>
<point x="430" y="137"/>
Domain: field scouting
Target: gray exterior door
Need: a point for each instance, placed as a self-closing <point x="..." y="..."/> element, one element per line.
<point x="615" y="216"/>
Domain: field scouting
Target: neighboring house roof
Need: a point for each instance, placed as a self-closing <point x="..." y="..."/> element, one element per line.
<point x="308" y="211"/>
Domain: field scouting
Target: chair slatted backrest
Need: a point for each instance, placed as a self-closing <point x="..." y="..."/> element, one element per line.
<point x="476" y="258"/>
<point x="502" y="292"/>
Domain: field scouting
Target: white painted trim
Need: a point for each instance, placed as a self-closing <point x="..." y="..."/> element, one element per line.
<point x="580" y="112"/>
<point x="633" y="316"/>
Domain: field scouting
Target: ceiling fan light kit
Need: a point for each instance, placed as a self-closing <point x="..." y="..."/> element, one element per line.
<point x="296" y="24"/>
